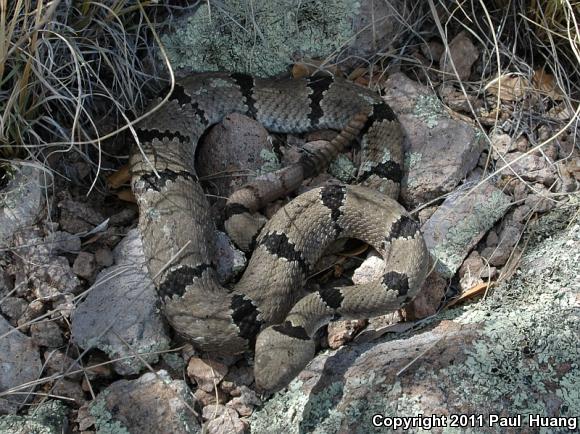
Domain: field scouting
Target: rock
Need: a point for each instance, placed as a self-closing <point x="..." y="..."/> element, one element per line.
<point x="47" y="418"/>
<point x="85" y="265"/>
<point x="19" y="364"/>
<point x="47" y="275"/>
<point x="498" y="255"/>
<point x="46" y="334"/>
<point x="222" y="420"/>
<point x="432" y="50"/>
<point x="229" y="260"/>
<point x="69" y="389"/>
<point x="124" y="217"/>
<point x="35" y="309"/>
<point x="206" y="373"/>
<point x="456" y="100"/>
<point x="104" y="257"/>
<point x="530" y="167"/>
<point x="428" y="300"/>
<point x="372" y="268"/>
<point x="153" y="403"/>
<point x="540" y="202"/>
<point x="119" y="315"/>
<point x="473" y="271"/>
<point x="210" y="39"/>
<point x="240" y="375"/>
<point x="342" y="332"/>
<point x="21" y="202"/>
<point x="440" y="151"/>
<point x="78" y="217"/>
<point x="460" y="222"/>
<point x="245" y="403"/>
<point x="237" y="145"/>
<point x="492" y="358"/>
<point x="501" y="144"/>
<point x="463" y="54"/>
<point x="57" y="363"/>
<point x="207" y="398"/>
<point x="492" y="239"/>
<point x="63" y="242"/>
<point x="13" y="308"/>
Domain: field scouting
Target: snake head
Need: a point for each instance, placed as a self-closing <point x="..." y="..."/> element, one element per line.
<point x="282" y="351"/>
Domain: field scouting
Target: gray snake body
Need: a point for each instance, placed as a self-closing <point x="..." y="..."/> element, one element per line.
<point x="177" y="230"/>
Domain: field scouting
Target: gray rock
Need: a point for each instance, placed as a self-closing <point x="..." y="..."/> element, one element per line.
<point x="206" y="373"/>
<point x="13" y="308"/>
<point x="245" y="403"/>
<point x="57" y="363"/>
<point x="48" y="276"/>
<point x="540" y="202"/>
<point x="460" y="222"/>
<point x="46" y="418"/>
<point x="85" y="265"/>
<point x="19" y="364"/>
<point x="21" y="202"/>
<point x="237" y="144"/>
<point x="63" y="242"/>
<point x="229" y="260"/>
<point x="530" y="167"/>
<point x="212" y="39"/>
<point x="78" y="217"/>
<point x="151" y="404"/>
<point x="485" y="358"/>
<point x="222" y="420"/>
<point x="463" y="54"/>
<point x="120" y="315"/>
<point x="440" y="151"/>
<point x="104" y="257"/>
<point x="46" y="334"/>
<point x="68" y="389"/>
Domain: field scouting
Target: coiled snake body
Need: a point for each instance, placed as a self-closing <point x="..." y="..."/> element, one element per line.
<point x="177" y="230"/>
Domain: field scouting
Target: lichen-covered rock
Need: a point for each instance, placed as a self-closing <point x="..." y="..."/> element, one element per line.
<point x="46" y="418"/>
<point x="265" y="38"/>
<point x="516" y="352"/>
<point x="440" y="151"/>
<point x="460" y="222"/>
<point x="19" y="364"/>
<point x="120" y="315"/>
<point x="21" y="202"/>
<point x="49" y="276"/>
<point x="153" y="403"/>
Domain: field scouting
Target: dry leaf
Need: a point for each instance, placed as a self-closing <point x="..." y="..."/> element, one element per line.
<point x="509" y="87"/>
<point x="546" y="84"/>
<point x="471" y="293"/>
<point x="127" y="195"/>
<point x="309" y="67"/>
<point x="120" y="177"/>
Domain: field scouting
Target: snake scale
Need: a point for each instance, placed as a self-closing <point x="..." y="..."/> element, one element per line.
<point x="262" y="309"/>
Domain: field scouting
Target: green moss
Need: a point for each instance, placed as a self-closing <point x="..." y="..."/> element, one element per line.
<point x="48" y="418"/>
<point x="260" y="37"/>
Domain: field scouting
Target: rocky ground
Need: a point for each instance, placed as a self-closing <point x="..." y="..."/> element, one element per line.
<point x="83" y="346"/>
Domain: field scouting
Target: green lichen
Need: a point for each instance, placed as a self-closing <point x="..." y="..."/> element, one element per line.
<point x="429" y="109"/>
<point x="261" y="37"/>
<point x="450" y="252"/>
<point x="48" y="418"/>
<point x="271" y="162"/>
<point x="342" y="168"/>
<point x="104" y="421"/>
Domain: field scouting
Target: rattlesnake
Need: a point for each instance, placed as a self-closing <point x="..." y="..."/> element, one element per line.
<point x="177" y="230"/>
